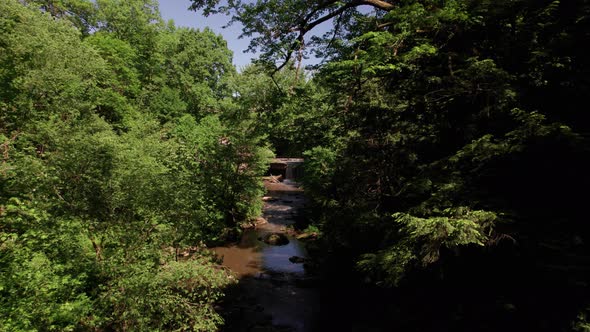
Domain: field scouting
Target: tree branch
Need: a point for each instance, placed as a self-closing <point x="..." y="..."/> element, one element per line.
<point x="379" y="4"/>
<point x="305" y="21"/>
<point x="305" y="26"/>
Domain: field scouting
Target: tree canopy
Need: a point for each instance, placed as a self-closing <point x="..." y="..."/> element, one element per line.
<point x="445" y="145"/>
<point x="115" y="160"/>
<point x="278" y="28"/>
<point x="455" y="139"/>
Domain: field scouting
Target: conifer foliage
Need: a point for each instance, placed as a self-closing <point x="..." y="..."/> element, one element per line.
<point x="455" y="149"/>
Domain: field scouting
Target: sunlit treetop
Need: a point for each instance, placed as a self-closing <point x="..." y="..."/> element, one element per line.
<point x="278" y="27"/>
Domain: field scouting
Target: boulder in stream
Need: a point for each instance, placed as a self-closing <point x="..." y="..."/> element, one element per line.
<point x="269" y="199"/>
<point x="296" y="259"/>
<point x="306" y="236"/>
<point x="260" y="221"/>
<point x="253" y="223"/>
<point x="276" y="239"/>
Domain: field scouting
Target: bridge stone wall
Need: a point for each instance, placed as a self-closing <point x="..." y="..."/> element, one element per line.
<point x="289" y="168"/>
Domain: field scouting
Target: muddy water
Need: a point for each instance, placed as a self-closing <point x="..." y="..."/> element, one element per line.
<point x="268" y="297"/>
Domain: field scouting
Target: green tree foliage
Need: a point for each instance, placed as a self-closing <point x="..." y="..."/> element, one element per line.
<point x="138" y="23"/>
<point x="104" y="176"/>
<point x="121" y="58"/>
<point x="436" y="129"/>
<point x="228" y="163"/>
<point x="198" y="64"/>
<point x="80" y="12"/>
<point x="287" y="106"/>
<point x="457" y="143"/>
<point x="278" y="27"/>
<point x="36" y="83"/>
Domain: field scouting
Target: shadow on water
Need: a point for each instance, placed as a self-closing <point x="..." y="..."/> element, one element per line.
<point x="487" y="292"/>
<point x="275" y="294"/>
<point x="272" y="293"/>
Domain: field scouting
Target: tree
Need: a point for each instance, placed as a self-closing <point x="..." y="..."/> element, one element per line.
<point x="198" y="64"/>
<point x="80" y="12"/>
<point x="138" y="23"/>
<point x="279" y="27"/>
<point x="121" y="58"/>
<point x="37" y="83"/>
<point x="98" y="197"/>
<point x="450" y="149"/>
<point x="287" y="109"/>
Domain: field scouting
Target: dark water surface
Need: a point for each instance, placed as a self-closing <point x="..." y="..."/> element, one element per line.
<point x="270" y="296"/>
<point x="276" y="295"/>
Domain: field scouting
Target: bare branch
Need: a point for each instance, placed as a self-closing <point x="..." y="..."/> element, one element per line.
<point x="379" y="4"/>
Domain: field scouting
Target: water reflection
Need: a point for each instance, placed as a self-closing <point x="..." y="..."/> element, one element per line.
<point x="268" y="280"/>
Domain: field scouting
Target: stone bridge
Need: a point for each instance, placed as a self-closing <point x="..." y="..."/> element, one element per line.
<point x="288" y="168"/>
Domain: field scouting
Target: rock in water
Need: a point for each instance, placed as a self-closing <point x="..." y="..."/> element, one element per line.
<point x="276" y="239"/>
<point x="260" y="221"/>
<point x="306" y="236"/>
<point x="296" y="259"/>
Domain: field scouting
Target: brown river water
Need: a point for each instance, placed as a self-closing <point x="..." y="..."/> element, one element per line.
<point x="272" y="294"/>
<point x="275" y="294"/>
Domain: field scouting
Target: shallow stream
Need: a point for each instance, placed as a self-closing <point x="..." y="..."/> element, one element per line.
<point x="272" y="294"/>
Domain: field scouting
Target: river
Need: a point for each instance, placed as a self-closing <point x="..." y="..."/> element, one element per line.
<point x="272" y="294"/>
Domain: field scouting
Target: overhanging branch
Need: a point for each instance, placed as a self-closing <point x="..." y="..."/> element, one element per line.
<point x="302" y="23"/>
<point x="305" y="25"/>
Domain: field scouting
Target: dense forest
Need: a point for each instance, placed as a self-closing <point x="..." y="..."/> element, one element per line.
<point x="446" y="156"/>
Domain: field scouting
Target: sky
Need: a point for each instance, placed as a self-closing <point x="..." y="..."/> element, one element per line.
<point x="177" y="10"/>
